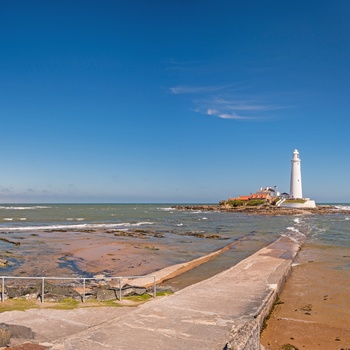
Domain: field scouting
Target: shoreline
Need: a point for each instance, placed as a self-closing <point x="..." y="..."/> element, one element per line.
<point x="312" y="311"/>
<point x="266" y="210"/>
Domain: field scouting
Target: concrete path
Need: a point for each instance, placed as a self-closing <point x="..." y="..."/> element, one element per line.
<point x="222" y="312"/>
<point x="48" y="325"/>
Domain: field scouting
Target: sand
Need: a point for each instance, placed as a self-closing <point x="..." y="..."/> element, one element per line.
<point x="100" y="252"/>
<point x="313" y="311"/>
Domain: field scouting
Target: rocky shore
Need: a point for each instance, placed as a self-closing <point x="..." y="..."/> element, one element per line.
<point x="265" y="209"/>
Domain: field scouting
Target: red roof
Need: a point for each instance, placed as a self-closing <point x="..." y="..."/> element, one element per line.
<point x="252" y="196"/>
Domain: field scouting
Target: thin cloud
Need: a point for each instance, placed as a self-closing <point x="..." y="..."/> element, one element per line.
<point x="244" y="105"/>
<point x="216" y="113"/>
<point x="177" y="90"/>
<point x="225" y="102"/>
<point x="234" y="109"/>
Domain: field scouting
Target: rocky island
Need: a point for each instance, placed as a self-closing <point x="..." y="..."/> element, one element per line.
<point x="264" y="209"/>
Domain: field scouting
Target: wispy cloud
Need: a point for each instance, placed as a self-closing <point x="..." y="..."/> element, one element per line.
<point x="177" y="90"/>
<point x="222" y="101"/>
<point x="216" y="113"/>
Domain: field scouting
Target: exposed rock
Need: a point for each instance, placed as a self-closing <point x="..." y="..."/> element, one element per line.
<point x="3" y="262"/>
<point x="106" y="294"/>
<point x="8" y="241"/>
<point x="112" y="293"/>
<point x="265" y="209"/>
<point x="5" y="334"/>
<point x="55" y="298"/>
<point x="21" y="332"/>
<point x="60" y="292"/>
<point x="133" y="290"/>
<point x="27" y="292"/>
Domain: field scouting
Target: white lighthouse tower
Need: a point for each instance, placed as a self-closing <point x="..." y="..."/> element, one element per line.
<point x="296" y="199"/>
<point x="295" y="177"/>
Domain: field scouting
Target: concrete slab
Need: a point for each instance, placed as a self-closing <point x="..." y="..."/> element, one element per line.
<point x="49" y="325"/>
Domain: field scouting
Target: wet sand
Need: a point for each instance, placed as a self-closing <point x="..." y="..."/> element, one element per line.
<point x="98" y="252"/>
<point x="314" y="307"/>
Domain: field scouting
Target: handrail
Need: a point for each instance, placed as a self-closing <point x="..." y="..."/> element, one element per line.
<point x="84" y="279"/>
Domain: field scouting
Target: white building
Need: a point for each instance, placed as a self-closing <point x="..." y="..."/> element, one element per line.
<point x="296" y="199"/>
<point x="295" y="177"/>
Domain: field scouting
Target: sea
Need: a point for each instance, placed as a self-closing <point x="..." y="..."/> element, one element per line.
<point x="195" y="232"/>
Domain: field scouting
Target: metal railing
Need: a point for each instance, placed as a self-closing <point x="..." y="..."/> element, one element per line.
<point x="83" y="279"/>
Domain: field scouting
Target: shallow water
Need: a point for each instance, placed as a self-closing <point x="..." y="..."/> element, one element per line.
<point x="185" y="235"/>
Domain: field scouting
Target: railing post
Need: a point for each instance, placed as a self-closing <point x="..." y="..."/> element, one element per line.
<point x="83" y="290"/>
<point x="42" y="289"/>
<point x="3" y="289"/>
<point x="154" y="286"/>
<point x="120" y="288"/>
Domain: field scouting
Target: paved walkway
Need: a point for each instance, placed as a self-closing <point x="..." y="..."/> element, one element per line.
<point x="222" y="312"/>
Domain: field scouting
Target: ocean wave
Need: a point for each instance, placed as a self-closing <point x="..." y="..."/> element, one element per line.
<point x="166" y="209"/>
<point x="293" y="238"/>
<point x="295" y="230"/>
<point x="76" y="227"/>
<point x="342" y="207"/>
<point x="292" y="228"/>
<point x="24" y="208"/>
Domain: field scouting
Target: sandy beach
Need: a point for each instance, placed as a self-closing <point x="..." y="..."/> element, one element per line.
<point x="313" y="309"/>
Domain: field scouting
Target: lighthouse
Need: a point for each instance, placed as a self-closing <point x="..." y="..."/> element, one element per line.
<point x="295" y="177"/>
<point x="296" y="199"/>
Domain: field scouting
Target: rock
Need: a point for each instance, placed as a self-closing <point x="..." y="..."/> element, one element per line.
<point x="106" y="294"/>
<point x="269" y="210"/>
<point x="26" y="292"/>
<point x="56" y="291"/>
<point x="132" y="290"/>
<point x="54" y="298"/>
<point x="3" y="262"/>
<point x="5" y="334"/>
<point x="21" y="332"/>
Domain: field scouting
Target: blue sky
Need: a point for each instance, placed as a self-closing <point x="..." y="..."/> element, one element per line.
<point x="172" y="101"/>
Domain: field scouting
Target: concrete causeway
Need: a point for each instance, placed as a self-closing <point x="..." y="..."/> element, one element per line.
<point x="225" y="311"/>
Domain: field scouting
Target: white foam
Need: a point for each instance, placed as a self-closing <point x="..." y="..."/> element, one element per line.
<point x="342" y="207"/>
<point x="293" y="229"/>
<point x="7" y="219"/>
<point x="25" y="208"/>
<point x="180" y="224"/>
<point x="76" y="227"/>
<point x="166" y="209"/>
<point x="297" y="220"/>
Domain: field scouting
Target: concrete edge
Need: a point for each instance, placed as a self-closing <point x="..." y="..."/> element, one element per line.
<point x="246" y="334"/>
<point x="176" y="270"/>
